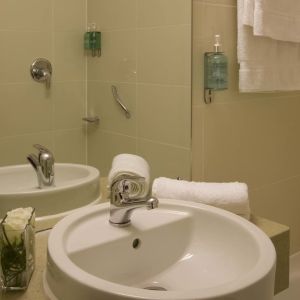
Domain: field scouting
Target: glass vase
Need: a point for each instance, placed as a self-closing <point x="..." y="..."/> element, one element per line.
<point x="17" y="250"/>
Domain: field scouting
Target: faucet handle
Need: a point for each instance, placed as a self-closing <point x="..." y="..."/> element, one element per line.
<point x="46" y="159"/>
<point x="42" y="148"/>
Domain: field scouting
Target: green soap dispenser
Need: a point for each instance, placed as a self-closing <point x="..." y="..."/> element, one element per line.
<point x="95" y="40"/>
<point x="216" y="68"/>
<point x="92" y="40"/>
<point x="87" y="38"/>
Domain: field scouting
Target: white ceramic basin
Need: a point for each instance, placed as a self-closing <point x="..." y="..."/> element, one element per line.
<point x="193" y="251"/>
<point x="75" y="186"/>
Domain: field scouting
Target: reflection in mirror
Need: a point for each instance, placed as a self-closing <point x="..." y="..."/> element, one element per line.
<point x="146" y="54"/>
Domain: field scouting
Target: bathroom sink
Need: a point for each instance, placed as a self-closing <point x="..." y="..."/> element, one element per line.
<point x="75" y="186"/>
<point x="179" y="251"/>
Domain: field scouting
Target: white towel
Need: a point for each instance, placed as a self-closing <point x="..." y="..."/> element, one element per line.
<point x="277" y="19"/>
<point x="266" y="65"/>
<point x="248" y="12"/>
<point x="231" y="196"/>
<point x="132" y="165"/>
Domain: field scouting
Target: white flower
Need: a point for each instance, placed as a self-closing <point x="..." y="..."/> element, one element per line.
<point x="15" y="223"/>
<point x="22" y="213"/>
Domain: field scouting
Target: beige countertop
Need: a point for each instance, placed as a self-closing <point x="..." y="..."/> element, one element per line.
<point x="280" y="236"/>
<point x="278" y="233"/>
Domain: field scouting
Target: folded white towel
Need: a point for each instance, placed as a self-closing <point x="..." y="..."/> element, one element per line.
<point x="231" y="196"/>
<point x="277" y="19"/>
<point x="132" y="165"/>
<point x="266" y="64"/>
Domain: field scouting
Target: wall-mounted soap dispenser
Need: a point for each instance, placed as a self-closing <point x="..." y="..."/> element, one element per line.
<point x="92" y="40"/>
<point x="215" y="71"/>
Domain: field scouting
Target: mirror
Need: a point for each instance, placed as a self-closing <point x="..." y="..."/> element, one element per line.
<point x="146" y="54"/>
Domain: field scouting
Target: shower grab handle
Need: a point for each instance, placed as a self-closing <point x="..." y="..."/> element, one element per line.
<point x="119" y="101"/>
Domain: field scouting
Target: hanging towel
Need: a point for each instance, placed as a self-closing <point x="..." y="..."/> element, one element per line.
<point x="248" y="12"/>
<point x="266" y="65"/>
<point x="276" y="19"/>
<point x="131" y="165"/>
<point x="231" y="196"/>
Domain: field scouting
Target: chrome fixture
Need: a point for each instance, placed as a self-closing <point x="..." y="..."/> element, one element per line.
<point x="208" y="96"/>
<point x="41" y="71"/>
<point x="122" y="203"/>
<point x="92" y="120"/>
<point x="119" y="101"/>
<point x="43" y="165"/>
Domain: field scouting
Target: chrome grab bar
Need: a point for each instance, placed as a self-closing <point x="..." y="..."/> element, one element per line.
<point x="120" y="102"/>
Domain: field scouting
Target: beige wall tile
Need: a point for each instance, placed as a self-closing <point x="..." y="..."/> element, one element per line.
<point x="68" y="15"/>
<point x="70" y="146"/>
<point x="164" y="55"/>
<point x="163" y="12"/>
<point x="33" y="15"/>
<point x="103" y="146"/>
<point x="164" y="114"/>
<point x="14" y="150"/>
<point x="165" y="160"/>
<point x="29" y="112"/>
<point x="69" y="104"/>
<point x="122" y="69"/>
<point x="24" y="109"/>
<point x="254" y="141"/>
<point x="18" y="52"/>
<point x="197" y="143"/>
<point x="118" y="59"/>
<point x="247" y="137"/>
<point x="112" y="117"/>
<point x="210" y="19"/>
<point x="69" y="59"/>
<point x="112" y="14"/>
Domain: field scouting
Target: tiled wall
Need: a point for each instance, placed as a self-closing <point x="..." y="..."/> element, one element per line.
<point x="28" y="113"/>
<point x="254" y="138"/>
<point x="146" y="53"/>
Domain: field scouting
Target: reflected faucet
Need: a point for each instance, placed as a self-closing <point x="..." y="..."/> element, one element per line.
<point x="43" y="165"/>
<point x="41" y="71"/>
<point x="122" y="204"/>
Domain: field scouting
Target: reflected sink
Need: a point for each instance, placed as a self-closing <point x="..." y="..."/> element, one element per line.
<point x="75" y="186"/>
<point x="179" y="251"/>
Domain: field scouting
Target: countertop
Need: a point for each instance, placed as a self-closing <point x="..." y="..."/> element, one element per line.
<point x="279" y="234"/>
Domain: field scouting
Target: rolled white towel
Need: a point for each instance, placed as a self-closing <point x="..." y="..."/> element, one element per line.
<point x="232" y="196"/>
<point x="132" y="165"/>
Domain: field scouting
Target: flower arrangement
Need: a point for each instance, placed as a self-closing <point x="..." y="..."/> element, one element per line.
<point x="17" y="248"/>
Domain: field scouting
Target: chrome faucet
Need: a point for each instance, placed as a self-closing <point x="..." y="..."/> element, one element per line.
<point x="124" y="199"/>
<point x="43" y="164"/>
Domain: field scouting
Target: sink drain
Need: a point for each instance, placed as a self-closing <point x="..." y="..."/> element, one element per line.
<point x="155" y="288"/>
